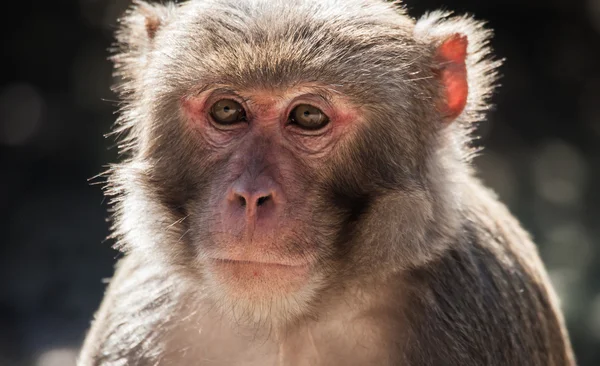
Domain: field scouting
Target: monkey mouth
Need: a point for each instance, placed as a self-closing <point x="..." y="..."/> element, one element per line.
<point x="265" y="263"/>
<point x="260" y="266"/>
<point x="285" y="262"/>
<point x="254" y="275"/>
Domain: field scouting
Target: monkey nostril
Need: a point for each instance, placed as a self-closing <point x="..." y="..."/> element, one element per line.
<point x="242" y="201"/>
<point x="247" y="200"/>
<point x="262" y="200"/>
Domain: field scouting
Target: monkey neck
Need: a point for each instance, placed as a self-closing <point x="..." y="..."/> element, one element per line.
<point x="346" y="317"/>
<point x="448" y="177"/>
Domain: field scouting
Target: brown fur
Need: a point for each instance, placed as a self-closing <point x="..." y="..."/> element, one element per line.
<point x="419" y="264"/>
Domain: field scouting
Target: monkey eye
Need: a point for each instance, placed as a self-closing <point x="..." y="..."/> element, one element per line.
<point x="227" y="112"/>
<point x="308" y="117"/>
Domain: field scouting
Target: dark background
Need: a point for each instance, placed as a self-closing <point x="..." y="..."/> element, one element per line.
<point x="542" y="156"/>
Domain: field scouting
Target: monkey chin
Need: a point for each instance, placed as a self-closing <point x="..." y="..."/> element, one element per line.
<point x="261" y="295"/>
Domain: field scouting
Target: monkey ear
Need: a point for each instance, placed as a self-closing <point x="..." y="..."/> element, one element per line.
<point x="461" y="54"/>
<point x="451" y="58"/>
<point x="137" y="30"/>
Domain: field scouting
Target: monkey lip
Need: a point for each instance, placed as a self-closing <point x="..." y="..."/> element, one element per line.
<point x="263" y="271"/>
<point x="266" y="266"/>
<point x="278" y="263"/>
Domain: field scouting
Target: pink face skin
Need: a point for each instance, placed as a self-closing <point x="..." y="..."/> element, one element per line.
<point x="260" y="205"/>
<point x="268" y="112"/>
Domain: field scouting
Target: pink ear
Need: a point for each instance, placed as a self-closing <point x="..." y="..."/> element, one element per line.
<point x="451" y="55"/>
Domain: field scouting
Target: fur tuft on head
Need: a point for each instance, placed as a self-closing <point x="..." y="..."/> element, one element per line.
<point x="138" y="29"/>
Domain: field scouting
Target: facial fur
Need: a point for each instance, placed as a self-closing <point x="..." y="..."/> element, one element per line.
<point x="380" y="173"/>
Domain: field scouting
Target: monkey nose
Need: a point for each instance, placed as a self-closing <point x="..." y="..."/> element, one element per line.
<point x="251" y="201"/>
<point x="255" y="200"/>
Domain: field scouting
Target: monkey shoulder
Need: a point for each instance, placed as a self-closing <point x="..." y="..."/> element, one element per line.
<point x="127" y="329"/>
<point x="487" y="300"/>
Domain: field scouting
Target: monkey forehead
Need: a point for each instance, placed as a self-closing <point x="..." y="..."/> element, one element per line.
<point x="365" y="47"/>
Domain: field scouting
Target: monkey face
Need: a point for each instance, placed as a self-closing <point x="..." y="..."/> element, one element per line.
<point x="267" y="149"/>
<point x="260" y="231"/>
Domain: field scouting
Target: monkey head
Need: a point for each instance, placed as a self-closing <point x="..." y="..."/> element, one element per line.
<point x="275" y="149"/>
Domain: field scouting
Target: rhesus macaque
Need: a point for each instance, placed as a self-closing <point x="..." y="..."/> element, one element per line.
<point x="298" y="191"/>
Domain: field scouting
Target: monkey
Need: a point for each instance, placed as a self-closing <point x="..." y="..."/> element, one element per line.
<point x="297" y="188"/>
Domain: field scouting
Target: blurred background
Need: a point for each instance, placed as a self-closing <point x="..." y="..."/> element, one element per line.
<point x="542" y="156"/>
